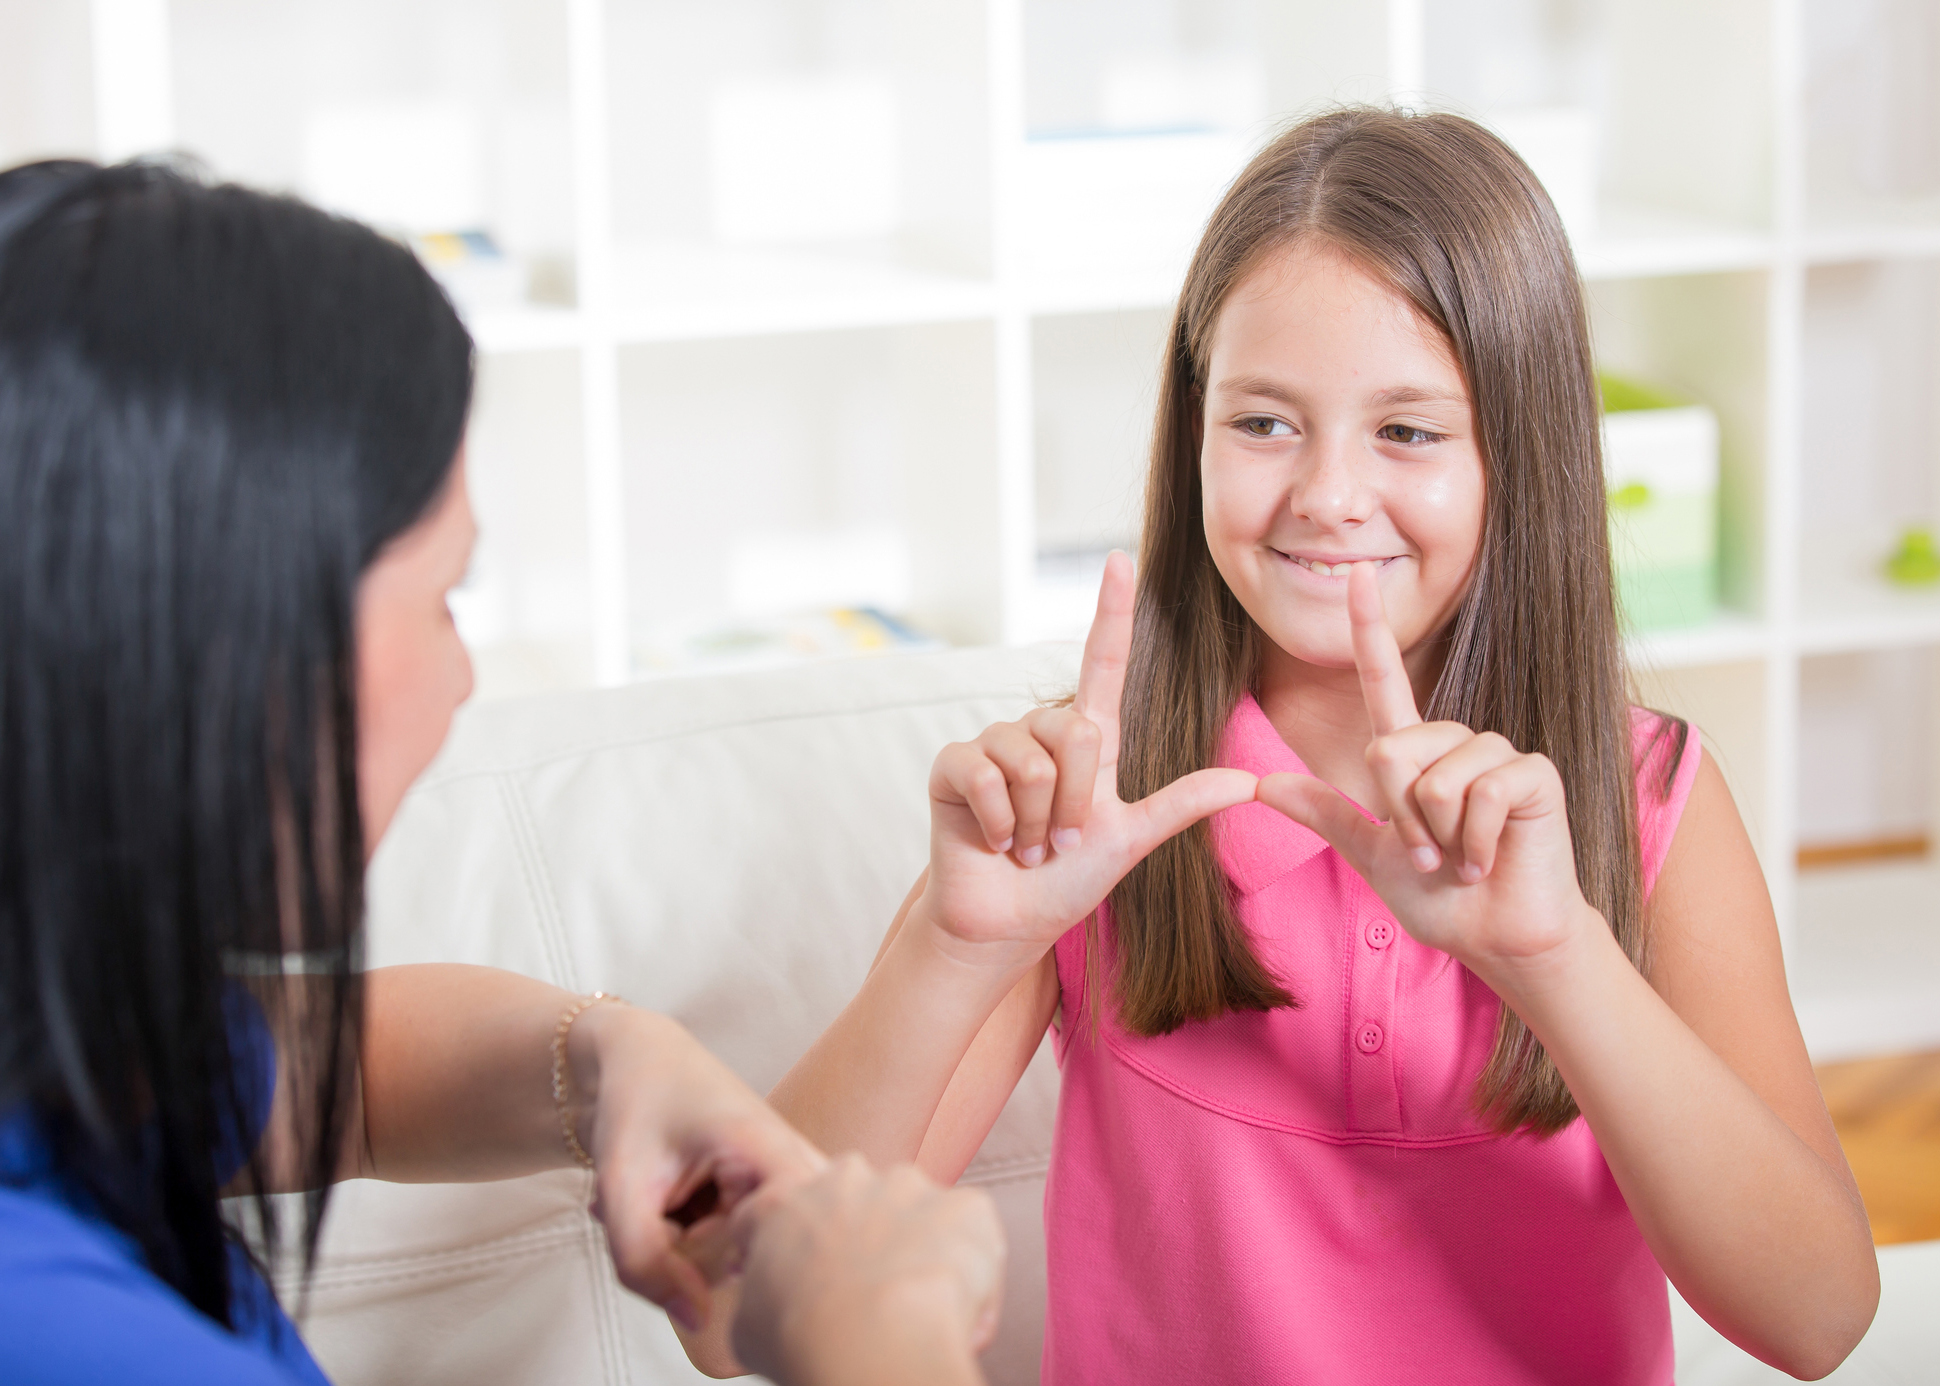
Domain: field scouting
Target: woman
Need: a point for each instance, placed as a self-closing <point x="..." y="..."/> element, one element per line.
<point x="232" y="502"/>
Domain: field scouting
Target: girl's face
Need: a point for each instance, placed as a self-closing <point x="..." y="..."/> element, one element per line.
<point x="412" y="669"/>
<point x="1336" y="428"/>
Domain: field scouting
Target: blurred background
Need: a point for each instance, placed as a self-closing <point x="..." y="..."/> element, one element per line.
<point x="821" y="327"/>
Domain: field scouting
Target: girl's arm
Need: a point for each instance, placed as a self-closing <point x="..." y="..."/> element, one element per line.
<point x="1027" y="836"/>
<point x="949" y="1073"/>
<point x="1703" y="1101"/>
<point x="1698" y="1090"/>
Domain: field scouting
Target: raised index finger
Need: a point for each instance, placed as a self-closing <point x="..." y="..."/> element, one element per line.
<point x="1377" y="655"/>
<point x="1101" y="678"/>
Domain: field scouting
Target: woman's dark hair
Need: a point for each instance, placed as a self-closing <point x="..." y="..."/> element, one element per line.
<point x="216" y="407"/>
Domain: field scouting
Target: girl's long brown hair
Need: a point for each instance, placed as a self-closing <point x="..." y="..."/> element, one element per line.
<point x="1453" y="221"/>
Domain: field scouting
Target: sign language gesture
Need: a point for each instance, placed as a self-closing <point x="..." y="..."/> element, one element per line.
<point x="1027" y="832"/>
<point x="1475" y="856"/>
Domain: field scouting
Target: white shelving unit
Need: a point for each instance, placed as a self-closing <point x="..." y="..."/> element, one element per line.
<point x="888" y="279"/>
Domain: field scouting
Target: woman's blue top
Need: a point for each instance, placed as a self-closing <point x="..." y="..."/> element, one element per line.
<point x="78" y="1303"/>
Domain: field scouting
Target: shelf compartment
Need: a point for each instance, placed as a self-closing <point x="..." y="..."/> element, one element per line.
<point x="1640" y="242"/>
<point x="1866" y="747"/>
<point x="1138" y="117"/>
<point x="532" y="327"/>
<point x="47" y="83"/>
<point x="1729" y="637"/>
<point x="524" y="606"/>
<point x="1865" y="951"/>
<point x="1703" y="337"/>
<point x="669" y="292"/>
<point x="1094" y="392"/>
<point x="1862" y="617"/>
<point x="771" y="475"/>
<point x="1602" y="108"/>
<point x="417" y="118"/>
<point x="1872" y="128"/>
<point x="836" y="174"/>
<point x="1899" y="231"/>
<point x="1872" y="357"/>
<point x="1865" y="960"/>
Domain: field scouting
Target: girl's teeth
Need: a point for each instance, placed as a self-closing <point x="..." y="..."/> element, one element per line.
<point x="1322" y="569"/>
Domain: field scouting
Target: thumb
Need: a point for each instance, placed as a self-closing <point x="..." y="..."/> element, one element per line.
<point x="1318" y="805"/>
<point x="1185" y="801"/>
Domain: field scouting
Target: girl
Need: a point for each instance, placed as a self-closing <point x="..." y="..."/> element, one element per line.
<point x="1442" y="1087"/>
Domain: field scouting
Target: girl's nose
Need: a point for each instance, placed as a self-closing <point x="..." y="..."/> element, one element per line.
<point x="1328" y="490"/>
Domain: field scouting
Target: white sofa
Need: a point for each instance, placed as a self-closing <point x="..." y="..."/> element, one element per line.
<point x="728" y="850"/>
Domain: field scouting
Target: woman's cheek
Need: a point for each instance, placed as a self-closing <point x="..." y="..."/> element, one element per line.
<point x="463" y="680"/>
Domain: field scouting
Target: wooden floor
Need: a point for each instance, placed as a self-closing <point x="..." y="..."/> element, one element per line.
<point x="1888" y="1115"/>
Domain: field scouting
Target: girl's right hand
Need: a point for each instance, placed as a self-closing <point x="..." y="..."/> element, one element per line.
<point x="1027" y="832"/>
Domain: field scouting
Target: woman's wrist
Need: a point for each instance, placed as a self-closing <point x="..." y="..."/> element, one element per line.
<point x="606" y="1038"/>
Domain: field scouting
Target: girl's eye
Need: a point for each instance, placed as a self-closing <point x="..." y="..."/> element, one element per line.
<point x="1261" y="426"/>
<point x="1409" y="434"/>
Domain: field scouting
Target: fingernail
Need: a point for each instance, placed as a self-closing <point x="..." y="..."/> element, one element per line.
<point x="1469" y="872"/>
<point x="682" y="1313"/>
<point x="1067" y="839"/>
<point x="1426" y="858"/>
<point x="1031" y="856"/>
<point x="1004" y="846"/>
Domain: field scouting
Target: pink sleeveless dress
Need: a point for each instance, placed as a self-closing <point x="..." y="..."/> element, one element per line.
<point x="1305" y="1195"/>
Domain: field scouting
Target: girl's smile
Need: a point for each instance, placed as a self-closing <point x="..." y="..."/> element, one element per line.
<point x="1333" y="566"/>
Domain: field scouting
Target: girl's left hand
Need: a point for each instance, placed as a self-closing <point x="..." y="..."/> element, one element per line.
<point x="1475" y="858"/>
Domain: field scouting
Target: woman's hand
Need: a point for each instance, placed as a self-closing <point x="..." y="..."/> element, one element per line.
<point x="679" y="1143"/>
<point x="1475" y="858"/>
<point x="860" y="1277"/>
<point x="1027" y="832"/>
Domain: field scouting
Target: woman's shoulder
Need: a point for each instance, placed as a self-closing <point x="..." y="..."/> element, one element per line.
<point x="77" y="1305"/>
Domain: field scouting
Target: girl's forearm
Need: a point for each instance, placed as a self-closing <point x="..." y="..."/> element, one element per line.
<point x="1757" y="1231"/>
<point x="873" y="1081"/>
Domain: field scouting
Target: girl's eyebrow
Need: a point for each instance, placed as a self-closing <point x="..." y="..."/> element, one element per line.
<point x="1256" y="385"/>
<point x="1415" y="394"/>
<point x="1260" y="387"/>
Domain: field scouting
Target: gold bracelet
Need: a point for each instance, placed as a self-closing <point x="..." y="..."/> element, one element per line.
<point x="560" y="1091"/>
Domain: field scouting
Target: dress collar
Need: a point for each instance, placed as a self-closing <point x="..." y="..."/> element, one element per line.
<point x="1258" y="845"/>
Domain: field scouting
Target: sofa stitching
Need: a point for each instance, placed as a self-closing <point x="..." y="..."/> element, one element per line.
<point x="1036" y="1157"/>
<point x="440" y="1265"/>
<point x="538" y="883"/>
<point x="555" y="1227"/>
<point x="1009" y="1172"/>
<point x="436" y="779"/>
<point x="606" y="1316"/>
